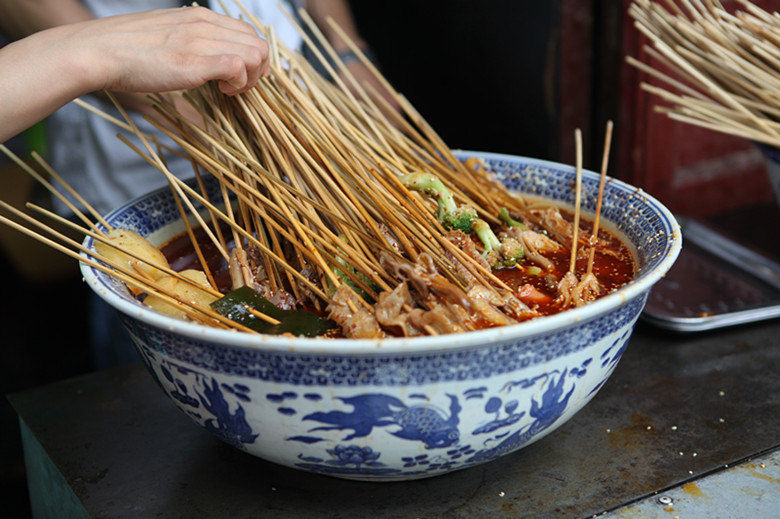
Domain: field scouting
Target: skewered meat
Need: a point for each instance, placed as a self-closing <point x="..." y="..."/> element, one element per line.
<point x="390" y="312"/>
<point x="246" y="269"/>
<point x="347" y="310"/>
<point x="574" y="293"/>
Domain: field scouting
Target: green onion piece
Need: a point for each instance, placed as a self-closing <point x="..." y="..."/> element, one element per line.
<point x="489" y="240"/>
<point x="503" y="215"/>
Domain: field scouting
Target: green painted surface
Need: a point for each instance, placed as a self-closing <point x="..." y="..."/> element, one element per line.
<point x="50" y="494"/>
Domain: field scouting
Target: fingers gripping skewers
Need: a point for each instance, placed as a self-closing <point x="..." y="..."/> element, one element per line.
<point x="331" y="215"/>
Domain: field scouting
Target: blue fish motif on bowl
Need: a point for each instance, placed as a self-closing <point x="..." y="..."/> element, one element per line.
<point x="397" y="409"/>
<point x="418" y="422"/>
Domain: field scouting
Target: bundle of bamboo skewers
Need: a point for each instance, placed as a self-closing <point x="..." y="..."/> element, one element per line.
<point x="725" y="68"/>
<point x="309" y="173"/>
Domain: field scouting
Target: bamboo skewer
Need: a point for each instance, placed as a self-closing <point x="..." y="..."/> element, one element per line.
<point x="577" y="199"/>
<point x="102" y="238"/>
<point x="131" y="278"/>
<point x="602" y="181"/>
<point x="268" y="205"/>
<point x="190" y="232"/>
<point x="180" y="185"/>
<point x="70" y="190"/>
<point x="310" y="175"/>
<point x="728" y="62"/>
<point x="346" y="124"/>
<point x="49" y="187"/>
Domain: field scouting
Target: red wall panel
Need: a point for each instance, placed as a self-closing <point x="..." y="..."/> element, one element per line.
<point x="693" y="171"/>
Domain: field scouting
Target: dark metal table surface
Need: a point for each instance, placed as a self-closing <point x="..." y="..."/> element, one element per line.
<point x="677" y="410"/>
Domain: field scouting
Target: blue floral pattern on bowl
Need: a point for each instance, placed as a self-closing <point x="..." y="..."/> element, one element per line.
<point x="400" y="409"/>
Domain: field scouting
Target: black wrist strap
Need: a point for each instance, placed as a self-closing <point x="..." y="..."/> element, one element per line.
<point x="349" y="56"/>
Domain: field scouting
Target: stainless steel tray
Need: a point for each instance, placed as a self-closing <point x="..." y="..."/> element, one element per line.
<point x="715" y="282"/>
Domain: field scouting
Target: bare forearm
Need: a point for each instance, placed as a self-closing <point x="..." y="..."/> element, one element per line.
<point x="341" y="13"/>
<point x="38" y="78"/>
<point x="22" y="18"/>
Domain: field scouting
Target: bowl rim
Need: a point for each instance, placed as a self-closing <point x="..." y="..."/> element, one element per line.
<point x="405" y="345"/>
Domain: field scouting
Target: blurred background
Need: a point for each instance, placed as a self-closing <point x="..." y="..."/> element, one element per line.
<point x="495" y="75"/>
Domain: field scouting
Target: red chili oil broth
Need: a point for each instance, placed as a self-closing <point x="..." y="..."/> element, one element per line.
<point x="613" y="269"/>
<point x="181" y="255"/>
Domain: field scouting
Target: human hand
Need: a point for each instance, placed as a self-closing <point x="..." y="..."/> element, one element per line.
<point x="154" y="51"/>
<point x="165" y="50"/>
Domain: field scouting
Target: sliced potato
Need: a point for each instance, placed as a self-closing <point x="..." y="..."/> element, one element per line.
<point x="138" y="245"/>
<point x="186" y="292"/>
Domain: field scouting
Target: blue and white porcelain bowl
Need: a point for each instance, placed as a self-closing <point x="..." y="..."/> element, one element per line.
<point x="396" y="409"/>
